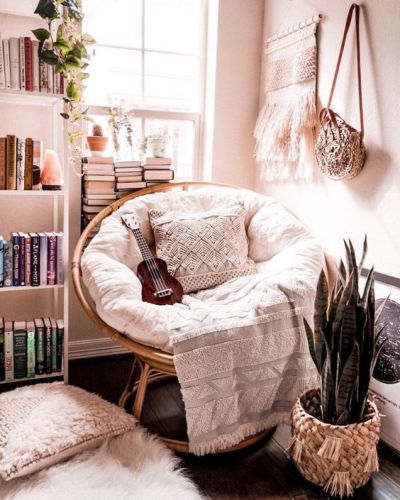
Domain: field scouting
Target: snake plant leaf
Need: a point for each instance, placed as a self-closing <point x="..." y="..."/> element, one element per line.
<point x="310" y="340"/>
<point x="320" y="309"/>
<point x="341" y="307"/>
<point x="364" y="254"/>
<point x="380" y="309"/>
<point x="367" y="288"/>
<point x="342" y="273"/>
<point x="347" y="332"/>
<point x="343" y="418"/>
<point x="347" y="380"/>
<point x="327" y="392"/>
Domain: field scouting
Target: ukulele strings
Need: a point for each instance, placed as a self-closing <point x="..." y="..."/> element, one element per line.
<point x="151" y="266"/>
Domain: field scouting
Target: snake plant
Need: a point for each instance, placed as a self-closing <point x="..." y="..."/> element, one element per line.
<point x="344" y="344"/>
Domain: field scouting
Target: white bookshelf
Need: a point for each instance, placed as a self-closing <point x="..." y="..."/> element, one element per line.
<point x="36" y="115"/>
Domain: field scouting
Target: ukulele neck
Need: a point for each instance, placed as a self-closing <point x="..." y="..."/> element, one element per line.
<point x="143" y="246"/>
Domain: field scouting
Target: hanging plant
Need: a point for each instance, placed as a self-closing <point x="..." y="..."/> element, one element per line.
<point x="64" y="47"/>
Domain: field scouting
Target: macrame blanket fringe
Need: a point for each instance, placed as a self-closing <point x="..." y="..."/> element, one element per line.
<point x="339" y="484"/>
<point x="330" y="448"/>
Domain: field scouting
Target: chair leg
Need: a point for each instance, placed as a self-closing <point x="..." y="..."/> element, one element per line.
<point x="141" y="389"/>
<point x="130" y="385"/>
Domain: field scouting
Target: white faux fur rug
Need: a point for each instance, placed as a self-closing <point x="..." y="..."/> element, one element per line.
<point x="131" y="466"/>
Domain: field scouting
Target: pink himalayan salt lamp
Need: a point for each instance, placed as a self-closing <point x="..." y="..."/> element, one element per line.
<point x="51" y="176"/>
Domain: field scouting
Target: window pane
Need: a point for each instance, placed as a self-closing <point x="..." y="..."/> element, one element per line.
<point x="114" y="73"/>
<point x="181" y="133"/>
<point x="171" y="82"/>
<point x="173" y="25"/>
<point x="114" y="22"/>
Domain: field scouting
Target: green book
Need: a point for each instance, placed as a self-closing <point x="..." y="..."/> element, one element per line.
<point x="31" y="358"/>
<point x="53" y="345"/>
<point x="20" y="351"/>
<point x="39" y="346"/>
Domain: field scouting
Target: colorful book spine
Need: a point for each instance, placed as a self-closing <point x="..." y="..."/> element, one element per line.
<point x="1" y="262"/>
<point x="22" y="259"/>
<point x="3" y="162"/>
<point x="28" y="260"/>
<point x="35" y="65"/>
<point x="28" y="164"/>
<point x="14" y="63"/>
<point x="8" y="351"/>
<point x="16" y="253"/>
<point x="8" y="263"/>
<point x="30" y="334"/>
<point x="43" y="258"/>
<point x="11" y="170"/>
<point x="35" y="259"/>
<point x="2" y="351"/>
<point x="20" y="167"/>
<point x="51" y="259"/>
<point x="20" y="349"/>
<point x="53" y="345"/>
<point x="60" y="344"/>
<point x="43" y="83"/>
<point x="39" y="347"/>
<point x="7" y="68"/>
<point x="2" y="72"/>
<point x="22" y="72"/>
<point x="28" y="64"/>
<point x="60" y="260"/>
<point x="47" y="345"/>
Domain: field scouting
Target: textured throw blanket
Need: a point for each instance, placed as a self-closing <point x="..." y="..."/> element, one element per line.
<point x="242" y="359"/>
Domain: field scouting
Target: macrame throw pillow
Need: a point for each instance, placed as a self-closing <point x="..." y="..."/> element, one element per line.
<point x="205" y="249"/>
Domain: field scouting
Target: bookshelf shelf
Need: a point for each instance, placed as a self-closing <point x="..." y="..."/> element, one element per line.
<point x="11" y="192"/>
<point x="28" y="288"/>
<point x="11" y="96"/>
<point x="31" y="379"/>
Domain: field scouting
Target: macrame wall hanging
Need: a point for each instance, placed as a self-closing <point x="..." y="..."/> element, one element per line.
<point x="284" y="130"/>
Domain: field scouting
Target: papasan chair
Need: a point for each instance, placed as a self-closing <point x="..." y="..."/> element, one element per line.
<point x="284" y="251"/>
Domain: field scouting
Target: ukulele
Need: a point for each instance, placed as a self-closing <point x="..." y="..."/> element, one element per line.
<point x="158" y="285"/>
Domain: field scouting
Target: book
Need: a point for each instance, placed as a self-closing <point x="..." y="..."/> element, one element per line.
<point x="128" y="163"/>
<point x="16" y="248"/>
<point x="131" y="185"/>
<point x="2" y="71"/>
<point x="30" y="349"/>
<point x="37" y="155"/>
<point x="94" y="169"/>
<point x="8" y="263"/>
<point x="47" y="345"/>
<point x="53" y="325"/>
<point x="39" y="346"/>
<point x="51" y="258"/>
<point x="35" y="259"/>
<point x="11" y="168"/>
<point x="99" y="203"/>
<point x="2" y="351"/>
<point x="3" y="162"/>
<point x="129" y="171"/>
<point x="56" y="82"/>
<point x="101" y="160"/>
<point x="14" y="64"/>
<point x="8" y="350"/>
<point x="94" y="209"/>
<point x="22" y="249"/>
<point x="6" y="59"/>
<point x="28" y="260"/>
<point x="35" y="66"/>
<point x="20" y="349"/>
<point x="1" y="261"/>
<point x="111" y="196"/>
<point x="131" y="178"/>
<point x="98" y="184"/>
<point x="60" y="260"/>
<point x="28" y="164"/>
<point x="98" y="191"/>
<point x="154" y="183"/>
<point x="157" y="161"/>
<point x="49" y="69"/>
<point x="43" y="76"/>
<point x="43" y="258"/>
<point x="101" y="178"/>
<point x="20" y="164"/>
<point x="22" y="73"/>
<point x="28" y="64"/>
<point x="60" y="344"/>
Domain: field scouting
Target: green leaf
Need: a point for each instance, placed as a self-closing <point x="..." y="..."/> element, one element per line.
<point x="65" y="99"/>
<point x="72" y="62"/>
<point x="60" y="68"/>
<point x="310" y="340"/>
<point x="367" y="288"/>
<point x="65" y="115"/>
<point x="41" y="34"/>
<point x="72" y="91"/>
<point x="62" y="45"/>
<point x="327" y="392"/>
<point x="49" y="57"/>
<point x="87" y="39"/>
<point x="364" y="254"/>
<point x="47" y="10"/>
<point x="348" y="381"/>
<point x="88" y="118"/>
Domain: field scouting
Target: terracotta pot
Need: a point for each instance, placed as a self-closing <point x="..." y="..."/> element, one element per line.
<point x="340" y="458"/>
<point x="97" y="144"/>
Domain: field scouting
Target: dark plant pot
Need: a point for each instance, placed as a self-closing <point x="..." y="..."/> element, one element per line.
<point x="340" y="458"/>
<point x="97" y="144"/>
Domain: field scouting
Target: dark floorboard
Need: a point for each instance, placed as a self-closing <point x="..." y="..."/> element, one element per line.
<point x="261" y="472"/>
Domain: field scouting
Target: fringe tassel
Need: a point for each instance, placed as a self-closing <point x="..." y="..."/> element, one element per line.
<point x="372" y="463"/>
<point x="339" y="484"/>
<point x="295" y="449"/>
<point x="330" y="448"/>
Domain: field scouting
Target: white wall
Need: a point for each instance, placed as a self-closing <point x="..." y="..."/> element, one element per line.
<point x="370" y="203"/>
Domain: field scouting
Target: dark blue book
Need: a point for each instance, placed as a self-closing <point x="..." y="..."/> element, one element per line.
<point x="16" y="241"/>
<point x="60" y="344"/>
<point x="8" y="263"/>
<point x="35" y="259"/>
<point x="47" y="346"/>
<point x="20" y="349"/>
<point x="22" y="256"/>
<point x="1" y="261"/>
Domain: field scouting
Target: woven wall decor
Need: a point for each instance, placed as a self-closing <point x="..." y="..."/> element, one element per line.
<point x="284" y="130"/>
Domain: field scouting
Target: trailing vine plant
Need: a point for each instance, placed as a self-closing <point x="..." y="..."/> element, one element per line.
<point x="63" y="46"/>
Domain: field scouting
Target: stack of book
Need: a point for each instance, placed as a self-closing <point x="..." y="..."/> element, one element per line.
<point x="31" y="348"/>
<point x="18" y="156"/>
<point x="22" y="69"/>
<point x="129" y="177"/>
<point x="32" y="259"/>
<point x="98" y="186"/>
<point x="157" y="170"/>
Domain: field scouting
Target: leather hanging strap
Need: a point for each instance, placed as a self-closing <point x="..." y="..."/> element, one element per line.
<point x="354" y="8"/>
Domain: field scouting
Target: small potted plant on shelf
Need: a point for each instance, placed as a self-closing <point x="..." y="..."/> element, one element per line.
<point x="97" y="142"/>
<point x="335" y="428"/>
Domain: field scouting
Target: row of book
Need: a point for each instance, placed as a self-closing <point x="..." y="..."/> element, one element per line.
<point x="22" y="69"/>
<point x="31" y="348"/>
<point x="32" y="259"/>
<point x="20" y="161"/>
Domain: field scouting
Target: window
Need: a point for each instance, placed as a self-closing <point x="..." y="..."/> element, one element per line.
<point x="149" y="57"/>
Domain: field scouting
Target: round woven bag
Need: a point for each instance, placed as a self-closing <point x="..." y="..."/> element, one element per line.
<point x="340" y="458"/>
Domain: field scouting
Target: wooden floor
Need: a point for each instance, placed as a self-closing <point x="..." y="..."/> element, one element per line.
<point x="258" y="473"/>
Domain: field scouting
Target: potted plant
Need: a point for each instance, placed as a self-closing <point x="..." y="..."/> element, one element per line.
<point x="97" y="142"/>
<point x="335" y="428"/>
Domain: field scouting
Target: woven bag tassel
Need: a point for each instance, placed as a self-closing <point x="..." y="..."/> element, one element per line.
<point x="372" y="463"/>
<point x="295" y="449"/>
<point x="339" y="484"/>
<point x="330" y="448"/>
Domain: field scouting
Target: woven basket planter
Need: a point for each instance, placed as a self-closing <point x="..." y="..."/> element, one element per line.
<point x="340" y="458"/>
